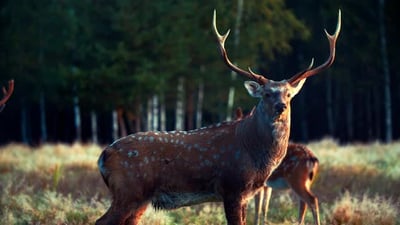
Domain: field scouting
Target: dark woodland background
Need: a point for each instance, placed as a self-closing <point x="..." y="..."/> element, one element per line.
<point x="95" y="70"/>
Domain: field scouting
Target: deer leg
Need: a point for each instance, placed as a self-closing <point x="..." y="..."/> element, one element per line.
<point x="302" y="211"/>
<point x="314" y="209"/>
<point x="114" y="215"/>
<point x="135" y="215"/>
<point x="234" y="211"/>
<point x="257" y="203"/>
<point x="244" y="212"/>
<point x="306" y="197"/>
<point x="126" y="208"/>
<point x="265" y="204"/>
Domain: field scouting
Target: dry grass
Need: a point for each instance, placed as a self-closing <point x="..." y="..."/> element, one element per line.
<point x="60" y="184"/>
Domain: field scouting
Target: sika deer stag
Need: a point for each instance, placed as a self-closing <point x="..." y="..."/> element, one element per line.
<point x="297" y="172"/>
<point x="7" y="94"/>
<point x="227" y="162"/>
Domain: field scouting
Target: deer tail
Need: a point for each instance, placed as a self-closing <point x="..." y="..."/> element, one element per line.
<point x="312" y="164"/>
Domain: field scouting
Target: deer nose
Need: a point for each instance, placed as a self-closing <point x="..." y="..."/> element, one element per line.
<point x="280" y="107"/>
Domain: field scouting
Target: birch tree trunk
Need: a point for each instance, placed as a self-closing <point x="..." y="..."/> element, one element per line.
<point x="377" y="112"/>
<point x="77" y="119"/>
<point x="231" y="94"/>
<point x="149" y="115"/>
<point x="155" y="112"/>
<point x="93" y="123"/>
<point x="163" y="114"/>
<point x="114" y="122"/>
<point x="190" y="110"/>
<point x="43" y="124"/>
<point x="180" y="104"/>
<point x="386" y="73"/>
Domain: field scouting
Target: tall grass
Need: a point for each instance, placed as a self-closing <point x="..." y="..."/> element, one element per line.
<point x="60" y="184"/>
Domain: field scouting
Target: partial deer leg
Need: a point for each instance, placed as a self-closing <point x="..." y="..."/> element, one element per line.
<point x="234" y="211"/>
<point x="122" y="215"/>
<point x="244" y="212"/>
<point x="258" y="199"/>
<point x="302" y="211"/>
<point x="135" y="215"/>
<point x="265" y="204"/>
<point x="302" y="188"/>
<point x="114" y="215"/>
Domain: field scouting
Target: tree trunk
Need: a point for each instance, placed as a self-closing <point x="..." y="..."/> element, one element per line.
<point x="114" y="124"/>
<point x="155" y="112"/>
<point x="121" y="122"/>
<point x="93" y="122"/>
<point x="43" y="125"/>
<point x="138" y="113"/>
<point x="163" y="114"/>
<point x="179" y="112"/>
<point x="377" y="112"/>
<point x="77" y="120"/>
<point x="149" y="113"/>
<point x="190" y="111"/>
<point x="386" y="73"/>
<point x="231" y="94"/>
<point x="199" y="107"/>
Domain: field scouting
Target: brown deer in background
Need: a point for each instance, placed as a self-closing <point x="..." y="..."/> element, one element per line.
<point x="297" y="172"/>
<point x="228" y="162"/>
<point x="7" y="94"/>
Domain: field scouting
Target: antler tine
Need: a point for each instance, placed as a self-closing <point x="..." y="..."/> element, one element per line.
<point x="221" y="44"/>
<point x="7" y="93"/>
<point x="332" y="45"/>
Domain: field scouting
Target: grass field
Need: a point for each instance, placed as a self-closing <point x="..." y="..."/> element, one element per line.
<point x="59" y="184"/>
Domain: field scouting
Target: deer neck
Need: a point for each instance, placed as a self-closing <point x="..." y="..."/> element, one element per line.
<point x="265" y="138"/>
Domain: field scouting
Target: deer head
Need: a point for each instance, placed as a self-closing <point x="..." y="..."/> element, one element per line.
<point x="276" y="95"/>
<point x="226" y="162"/>
<point x="7" y="94"/>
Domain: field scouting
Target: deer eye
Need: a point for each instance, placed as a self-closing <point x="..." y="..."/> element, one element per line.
<point x="288" y="95"/>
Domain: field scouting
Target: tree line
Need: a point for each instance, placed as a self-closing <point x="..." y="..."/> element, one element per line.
<point x="97" y="70"/>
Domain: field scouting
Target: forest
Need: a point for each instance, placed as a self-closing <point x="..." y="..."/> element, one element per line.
<point x="96" y="70"/>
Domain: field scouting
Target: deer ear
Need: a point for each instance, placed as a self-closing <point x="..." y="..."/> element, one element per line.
<point x="254" y="88"/>
<point x="297" y="87"/>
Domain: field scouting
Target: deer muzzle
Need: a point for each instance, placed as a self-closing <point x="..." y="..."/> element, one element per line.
<point x="279" y="108"/>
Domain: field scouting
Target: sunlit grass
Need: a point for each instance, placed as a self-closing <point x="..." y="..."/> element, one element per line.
<point x="60" y="184"/>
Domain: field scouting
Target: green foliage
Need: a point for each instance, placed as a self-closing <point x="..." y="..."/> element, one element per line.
<point x="127" y="48"/>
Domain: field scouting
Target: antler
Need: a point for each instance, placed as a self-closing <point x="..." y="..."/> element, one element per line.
<point x="8" y="93"/>
<point x="221" y="44"/>
<point x="332" y="44"/>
